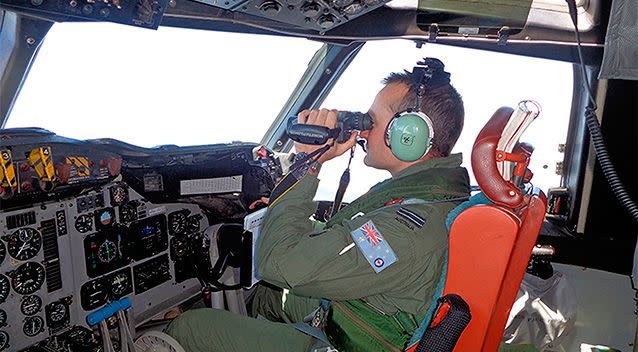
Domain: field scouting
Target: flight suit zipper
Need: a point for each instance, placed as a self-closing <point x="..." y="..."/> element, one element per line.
<point x="362" y="324"/>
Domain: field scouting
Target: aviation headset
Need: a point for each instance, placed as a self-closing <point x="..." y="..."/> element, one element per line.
<point x="410" y="132"/>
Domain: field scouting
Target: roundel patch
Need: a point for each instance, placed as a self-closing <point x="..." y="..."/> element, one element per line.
<point x="378" y="262"/>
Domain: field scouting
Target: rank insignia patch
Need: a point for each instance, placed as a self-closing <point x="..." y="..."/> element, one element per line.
<point x="411" y="216"/>
<point x="373" y="246"/>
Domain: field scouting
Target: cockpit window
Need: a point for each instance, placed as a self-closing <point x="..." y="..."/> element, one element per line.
<point x="486" y="81"/>
<point x="171" y="86"/>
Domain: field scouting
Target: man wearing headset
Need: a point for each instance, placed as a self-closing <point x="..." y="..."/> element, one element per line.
<point x="377" y="261"/>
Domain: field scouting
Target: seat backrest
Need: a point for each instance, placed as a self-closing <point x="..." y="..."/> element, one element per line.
<point x="491" y="244"/>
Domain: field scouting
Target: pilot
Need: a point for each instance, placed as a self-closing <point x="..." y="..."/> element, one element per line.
<point x="377" y="262"/>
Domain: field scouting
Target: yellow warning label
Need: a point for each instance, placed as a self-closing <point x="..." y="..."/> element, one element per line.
<point x="40" y="159"/>
<point x="81" y="165"/>
<point x="8" y="178"/>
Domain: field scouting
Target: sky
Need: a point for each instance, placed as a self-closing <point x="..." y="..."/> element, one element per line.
<point x="190" y="87"/>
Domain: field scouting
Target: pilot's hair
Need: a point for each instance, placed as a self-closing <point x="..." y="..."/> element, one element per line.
<point x="443" y="105"/>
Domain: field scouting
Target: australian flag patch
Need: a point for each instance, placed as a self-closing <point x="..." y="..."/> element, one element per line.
<point x="373" y="246"/>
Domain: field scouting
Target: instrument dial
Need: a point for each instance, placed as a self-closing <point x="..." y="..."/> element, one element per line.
<point x="104" y="218"/>
<point x="56" y="312"/>
<point x="93" y="294"/>
<point x="3" y="318"/>
<point x="4" y="340"/>
<point x="4" y="288"/>
<point x="24" y="243"/>
<point x="84" y="223"/>
<point x="128" y="213"/>
<point x="192" y="224"/>
<point x="3" y="252"/>
<point x="27" y="278"/>
<point x="33" y="326"/>
<point x="179" y="247"/>
<point x="119" y="195"/>
<point x="177" y="222"/>
<point x="31" y="305"/>
<point x="120" y="285"/>
<point x="107" y="251"/>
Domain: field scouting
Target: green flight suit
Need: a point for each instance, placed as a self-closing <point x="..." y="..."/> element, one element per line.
<point x="324" y="264"/>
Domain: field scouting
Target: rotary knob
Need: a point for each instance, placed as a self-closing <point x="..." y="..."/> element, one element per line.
<point x="327" y="21"/>
<point x="310" y="9"/>
<point x="270" y="8"/>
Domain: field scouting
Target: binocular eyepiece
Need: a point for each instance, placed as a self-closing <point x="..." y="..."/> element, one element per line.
<point x="347" y="122"/>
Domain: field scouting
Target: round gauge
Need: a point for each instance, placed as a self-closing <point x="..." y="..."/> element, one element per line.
<point x="192" y="223"/>
<point x="105" y="217"/>
<point x="128" y="213"/>
<point x="33" y="326"/>
<point x="4" y="340"/>
<point x="179" y="247"/>
<point x="4" y="288"/>
<point x="27" y="278"/>
<point x="119" y="195"/>
<point x="56" y="312"/>
<point x="120" y="285"/>
<point x="3" y="252"/>
<point x="24" y="244"/>
<point x="107" y="251"/>
<point x="93" y="294"/>
<point x="177" y="223"/>
<point x="84" y="223"/>
<point x="3" y="318"/>
<point x="31" y="305"/>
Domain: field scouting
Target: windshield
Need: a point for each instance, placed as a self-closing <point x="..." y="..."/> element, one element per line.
<point x="171" y="86"/>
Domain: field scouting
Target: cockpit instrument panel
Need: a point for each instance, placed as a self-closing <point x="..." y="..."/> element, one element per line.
<point x="143" y="13"/>
<point x="103" y="220"/>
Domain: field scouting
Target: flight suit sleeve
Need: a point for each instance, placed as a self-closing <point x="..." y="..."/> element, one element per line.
<point x="320" y="264"/>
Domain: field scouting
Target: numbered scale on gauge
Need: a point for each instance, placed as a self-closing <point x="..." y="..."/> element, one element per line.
<point x="24" y="243"/>
<point x="33" y="326"/>
<point x="177" y="222"/>
<point x="31" y="305"/>
<point x="28" y="278"/>
<point x="3" y="252"/>
<point x="56" y="312"/>
<point x="4" y="340"/>
<point x="3" y="318"/>
<point x="4" y="288"/>
<point x="120" y="285"/>
<point x="84" y="223"/>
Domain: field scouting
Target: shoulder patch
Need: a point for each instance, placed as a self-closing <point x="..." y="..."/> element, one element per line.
<point x="410" y="216"/>
<point x="373" y="246"/>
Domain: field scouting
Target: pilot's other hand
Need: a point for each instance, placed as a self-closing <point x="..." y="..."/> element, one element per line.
<point x="327" y="118"/>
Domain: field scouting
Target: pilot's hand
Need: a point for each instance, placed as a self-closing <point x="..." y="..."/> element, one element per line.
<point x="327" y="118"/>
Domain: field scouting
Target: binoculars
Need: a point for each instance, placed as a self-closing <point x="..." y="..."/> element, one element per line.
<point x="347" y="122"/>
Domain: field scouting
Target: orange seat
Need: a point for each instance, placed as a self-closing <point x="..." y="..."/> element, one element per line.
<point x="490" y="245"/>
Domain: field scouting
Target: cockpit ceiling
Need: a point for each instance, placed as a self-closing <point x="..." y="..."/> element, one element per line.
<point x="342" y="20"/>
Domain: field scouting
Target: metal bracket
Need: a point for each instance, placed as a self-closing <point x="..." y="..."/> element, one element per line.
<point x="503" y="35"/>
<point x="434" y="32"/>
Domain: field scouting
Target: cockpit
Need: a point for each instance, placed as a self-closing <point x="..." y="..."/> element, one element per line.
<point x="144" y="142"/>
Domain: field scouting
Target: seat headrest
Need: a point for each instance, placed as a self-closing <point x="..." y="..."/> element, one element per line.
<point x="500" y="134"/>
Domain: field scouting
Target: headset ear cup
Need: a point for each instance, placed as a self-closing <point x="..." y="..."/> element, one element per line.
<point x="410" y="135"/>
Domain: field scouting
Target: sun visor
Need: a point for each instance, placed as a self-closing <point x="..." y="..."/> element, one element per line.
<point x="621" y="43"/>
<point x="473" y="17"/>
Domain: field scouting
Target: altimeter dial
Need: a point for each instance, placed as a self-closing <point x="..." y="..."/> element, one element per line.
<point x="33" y="326"/>
<point x="24" y="244"/>
<point x="31" y="305"/>
<point x="27" y="278"/>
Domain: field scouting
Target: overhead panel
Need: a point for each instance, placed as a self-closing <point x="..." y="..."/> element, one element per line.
<point x="319" y="15"/>
<point x="140" y="13"/>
